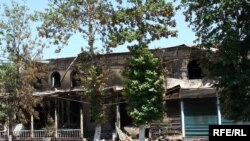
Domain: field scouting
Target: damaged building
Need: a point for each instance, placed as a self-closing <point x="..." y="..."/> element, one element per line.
<point x="191" y="102"/>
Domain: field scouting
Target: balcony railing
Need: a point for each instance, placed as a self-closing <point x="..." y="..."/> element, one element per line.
<point x="61" y="133"/>
<point x="69" y="133"/>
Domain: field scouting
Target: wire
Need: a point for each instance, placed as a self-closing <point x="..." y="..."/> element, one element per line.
<point x="86" y="102"/>
<point x="115" y="103"/>
<point x="69" y="99"/>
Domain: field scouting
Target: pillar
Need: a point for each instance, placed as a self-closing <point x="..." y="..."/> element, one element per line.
<point x="56" y="120"/>
<point x="62" y="111"/>
<point x="118" y="119"/>
<point x="81" y="121"/>
<point x="182" y="119"/>
<point x="218" y="107"/>
<point x="68" y="111"/>
<point x="32" y="126"/>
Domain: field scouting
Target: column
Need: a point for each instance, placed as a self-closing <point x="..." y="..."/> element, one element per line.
<point x="182" y="119"/>
<point x="56" y="126"/>
<point x="218" y="107"/>
<point x="68" y="112"/>
<point x="62" y="111"/>
<point x="32" y="126"/>
<point x="81" y="121"/>
<point x="118" y="119"/>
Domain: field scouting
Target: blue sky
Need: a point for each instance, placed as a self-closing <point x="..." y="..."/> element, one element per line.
<point x="185" y="35"/>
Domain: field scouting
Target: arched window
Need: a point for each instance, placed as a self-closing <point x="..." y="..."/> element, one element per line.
<point x="194" y="70"/>
<point x="75" y="81"/>
<point x="56" y="80"/>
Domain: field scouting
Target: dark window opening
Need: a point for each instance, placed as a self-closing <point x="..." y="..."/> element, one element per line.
<point x="56" y="80"/>
<point x="75" y="81"/>
<point x="194" y="70"/>
<point x="74" y="115"/>
<point x="92" y="118"/>
<point x="125" y="119"/>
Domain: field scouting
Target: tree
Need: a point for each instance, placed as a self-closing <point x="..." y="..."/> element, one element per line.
<point x="140" y="22"/>
<point x="144" y="90"/>
<point x="89" y="18"/>
<point x="18" y="75"/>
<point x="93" y="76"/>
<point x="94" y="93"/>
<point x="225" y="25"/>
<point x="65" y="18"/>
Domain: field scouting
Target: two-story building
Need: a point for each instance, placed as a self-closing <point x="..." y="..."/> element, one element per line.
<point x="192" y="103"/>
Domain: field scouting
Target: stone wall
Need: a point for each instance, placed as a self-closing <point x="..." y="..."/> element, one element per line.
<point x="175" y="62"/>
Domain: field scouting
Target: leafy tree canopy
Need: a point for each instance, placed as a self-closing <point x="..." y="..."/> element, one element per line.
<point x="144" y="86"/>
<point x="140" y="22"/>
<point x="65" y="18"/>
<point x="21" y="52"/>
<point x="225" y="24"/>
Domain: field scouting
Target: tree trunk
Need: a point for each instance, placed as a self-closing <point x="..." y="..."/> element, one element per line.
<point x="142" y="132"/>
<point x="10" y="127"/>
<point x="10" y="132"/>
<point x="97" y="136"/>
<point x="10" y="138"/>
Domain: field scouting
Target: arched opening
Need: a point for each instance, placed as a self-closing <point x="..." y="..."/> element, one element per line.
<point x="56" y="80"/>
<point x="194" y="70"/>
<point x="75" y="80"/>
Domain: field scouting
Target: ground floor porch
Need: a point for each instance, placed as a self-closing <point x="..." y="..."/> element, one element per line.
<point x="42" y="134"/>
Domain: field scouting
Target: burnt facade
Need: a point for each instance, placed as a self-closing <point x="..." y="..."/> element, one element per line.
<point x="184" y="79"/>
<point x="186" y="88"/>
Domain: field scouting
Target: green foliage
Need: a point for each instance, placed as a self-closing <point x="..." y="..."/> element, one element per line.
<point x="94" y="91"/>
<point x="3" y="114"/>
<point x="18" y="73"/>
<point x="89" y="18"/>
<point x="16" y="34"/>
<point x="225" y="24"/>
<point x="144" y="86"/>
<point x="65" y="18"/>
<point x="140" y="22"/>
<point x="50" y="126"/>
<point x="92" y="71"/>
<point x="17" y="88"/>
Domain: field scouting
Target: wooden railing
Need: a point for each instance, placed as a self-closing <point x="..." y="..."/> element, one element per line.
<point x="61" y="133"/>
<point x="69" y="133"/>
